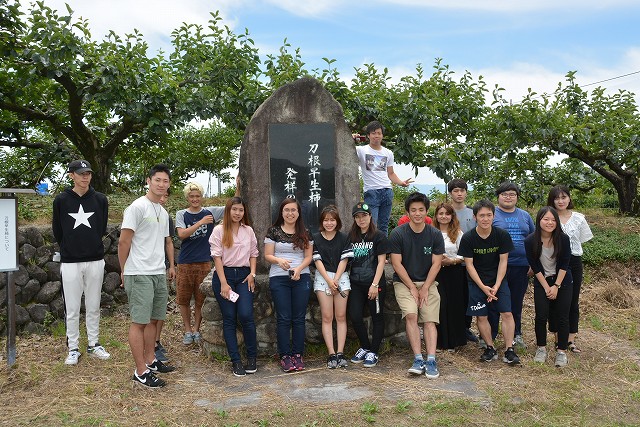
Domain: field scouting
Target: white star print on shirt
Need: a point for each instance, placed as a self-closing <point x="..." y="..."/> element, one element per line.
<point x="81" y="217"/>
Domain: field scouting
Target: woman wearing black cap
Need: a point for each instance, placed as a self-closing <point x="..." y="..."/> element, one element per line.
<point x="370" y="249"/>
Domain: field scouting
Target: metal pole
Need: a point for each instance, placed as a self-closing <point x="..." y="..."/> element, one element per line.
<point x="11" y="282"/>
<point x="11" y="319"/>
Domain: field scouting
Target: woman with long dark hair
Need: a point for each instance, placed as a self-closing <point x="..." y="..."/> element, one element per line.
<point x="452" y="281"/>
<point x="368" y="284"/>
<point x="288" y="247"/>
<point x="548" y="252"/>
<point x="575" y="225"/>
<point x="234" y="250"/>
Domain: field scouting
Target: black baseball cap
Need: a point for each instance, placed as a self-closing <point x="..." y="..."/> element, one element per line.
<point x="79" y="166"/>
<point x="360" y="207"/>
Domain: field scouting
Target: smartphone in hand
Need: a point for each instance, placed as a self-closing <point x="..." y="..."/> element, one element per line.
<point x="233" y="296"/>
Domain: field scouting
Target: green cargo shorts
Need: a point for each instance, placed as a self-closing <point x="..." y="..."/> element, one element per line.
<point x="148" y="296"/>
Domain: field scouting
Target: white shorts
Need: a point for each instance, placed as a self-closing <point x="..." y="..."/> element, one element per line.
<point x="320" y="285"/>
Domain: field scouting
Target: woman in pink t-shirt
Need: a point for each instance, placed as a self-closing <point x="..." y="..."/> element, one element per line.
<point x="234" y="250"/>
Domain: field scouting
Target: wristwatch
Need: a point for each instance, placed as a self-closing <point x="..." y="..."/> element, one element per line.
<point x="374" y="285"/>
<point x="559" y="285"/>
<point x="253" y="275"/>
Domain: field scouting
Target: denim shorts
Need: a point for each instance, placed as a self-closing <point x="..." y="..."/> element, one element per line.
<point x="320" y="285"/>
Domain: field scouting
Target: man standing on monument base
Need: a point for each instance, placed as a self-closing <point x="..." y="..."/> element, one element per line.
<point x="144" y="238"/>
<point x="376" y="163"/>
<point x="79" y="221"/>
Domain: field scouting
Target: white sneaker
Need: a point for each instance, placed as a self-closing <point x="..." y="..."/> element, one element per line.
<point x="561" y="360"/>
<point x="72" y="357"/>
<point x="519" y="341"/>
<point x="541" y="355"/>
<point x="99" y="352"/>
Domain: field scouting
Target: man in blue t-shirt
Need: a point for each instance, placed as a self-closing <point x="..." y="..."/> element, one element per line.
<point x="194" y="226"/>
<point x="518" y="223"/>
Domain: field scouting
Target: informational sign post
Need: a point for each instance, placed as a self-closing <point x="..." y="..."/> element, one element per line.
<point x="9" y="259"/>
<point x="8" y="233"/>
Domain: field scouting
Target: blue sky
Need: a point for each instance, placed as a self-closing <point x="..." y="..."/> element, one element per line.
<point x="516" y="44"/>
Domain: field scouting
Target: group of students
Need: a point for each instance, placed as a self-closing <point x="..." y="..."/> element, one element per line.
<point x="472" y="262"/>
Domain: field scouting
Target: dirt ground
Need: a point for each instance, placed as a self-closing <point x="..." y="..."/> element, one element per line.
<point x="601" y="386"/>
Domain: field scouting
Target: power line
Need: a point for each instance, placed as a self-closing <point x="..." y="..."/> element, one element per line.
<point x="612" y="78"/>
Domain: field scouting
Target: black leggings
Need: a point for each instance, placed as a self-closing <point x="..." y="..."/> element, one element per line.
<point x="358" y="299"/>
<point x="574" y="312"/>
<point x="556" y="312"/>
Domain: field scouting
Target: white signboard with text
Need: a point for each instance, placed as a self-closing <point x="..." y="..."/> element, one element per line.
<point x="9" y="234"/>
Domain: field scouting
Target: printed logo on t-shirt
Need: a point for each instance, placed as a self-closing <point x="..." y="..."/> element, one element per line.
<point x="200" y="232"/>
<point x="484" y="251"/>
<point x="376" y="162"/>
<point x="514" y="228"/>
<point x="362" y="249"/>
<point x="427" y="250"/>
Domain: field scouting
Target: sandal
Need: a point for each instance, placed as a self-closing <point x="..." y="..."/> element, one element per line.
<point x="573" y="348"/>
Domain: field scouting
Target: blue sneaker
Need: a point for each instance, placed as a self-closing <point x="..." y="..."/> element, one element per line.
<point x="417" y="368"/>
<point x="359" y="357"/>
<point x="370" y="360"/>
<point x="161" y="353"/>
<point x="471" y="337"/>
<point x="431" y="369"/>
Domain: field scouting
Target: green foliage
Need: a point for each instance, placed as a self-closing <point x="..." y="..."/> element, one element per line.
<point x="102" y="98"/>
<point x="369" y="408"/>
<point x="26" y="213"/>
<point x="610" y="244"/>
<point x="229" y="192"/>
<point x="403" y="406"/>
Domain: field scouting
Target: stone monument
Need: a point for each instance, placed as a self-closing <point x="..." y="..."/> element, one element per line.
<point x="296" y="128"/>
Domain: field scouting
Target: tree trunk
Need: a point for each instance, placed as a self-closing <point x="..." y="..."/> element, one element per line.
<point x="101" y="166"/>
<point x="628" y="196"/>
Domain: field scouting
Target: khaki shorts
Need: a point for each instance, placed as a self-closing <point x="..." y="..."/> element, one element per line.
<point x="148" y="296"/>
<point x="428" y="313"/>
<point x="189" y="278"/>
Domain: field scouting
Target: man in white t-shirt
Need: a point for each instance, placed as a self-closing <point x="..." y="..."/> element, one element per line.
<point x="144" y="239"/>
<point x="376" y="165"/>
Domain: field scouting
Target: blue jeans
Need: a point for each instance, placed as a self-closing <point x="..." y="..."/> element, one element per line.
<point x="290" y="299"/>
<point x="380" y="202"/>
<point x="518" y="281"/>
<point x="232" y="312"/>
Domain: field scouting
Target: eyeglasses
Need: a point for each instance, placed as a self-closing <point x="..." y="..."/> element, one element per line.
<point x="509" y="195"/>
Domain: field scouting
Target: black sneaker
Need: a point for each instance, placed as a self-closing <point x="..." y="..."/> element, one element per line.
<point x="489" y="354"/>
<point x="148" y="379"/>
<point x="342" y="361"/>
<point x="511" y="357"/>
<point x="332" y="361"/>
<point x="238" y="369"/>
<point x="158" y="366"/>
<point x="251" y="366"/>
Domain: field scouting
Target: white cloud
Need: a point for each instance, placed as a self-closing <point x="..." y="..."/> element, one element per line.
<point x="513" y="6"/>
<point x="314" y="8"/>
<point x="155" y="19"/>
